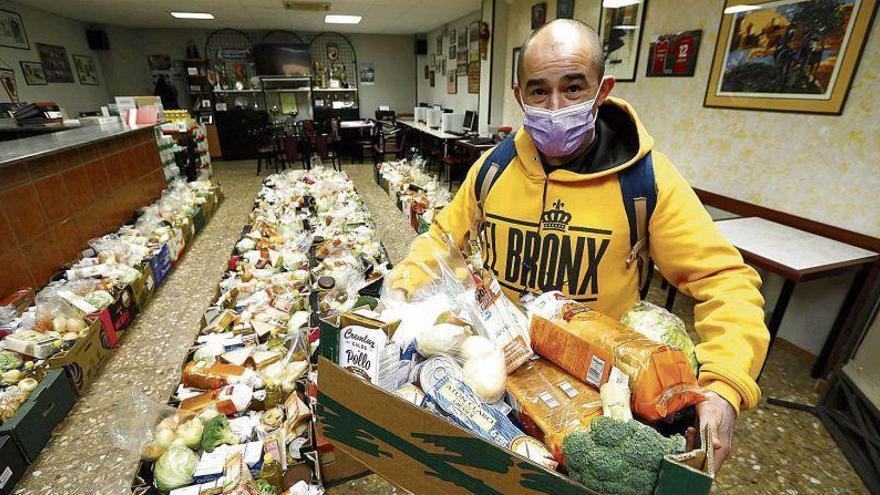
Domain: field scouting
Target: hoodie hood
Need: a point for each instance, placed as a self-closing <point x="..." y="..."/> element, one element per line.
<point x="632" y="142"/>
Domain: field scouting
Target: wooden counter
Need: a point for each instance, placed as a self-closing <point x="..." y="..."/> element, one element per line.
<point x="59" y="190"/>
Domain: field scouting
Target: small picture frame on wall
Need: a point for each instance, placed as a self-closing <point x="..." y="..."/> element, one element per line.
<point x="539" y="15"/>
<point x="431" y="78"/>
<point x="56" y="65"/>
<point x="86" y="69"/>
<point x="34" y="75"/>
<point x="451" y="82"/>
<point x="12" y="33"/>
<point x="565" y="9"/>
<point x="514" y="66"/>
<point x="7" y="80"/>
<point x="620" y="29"/>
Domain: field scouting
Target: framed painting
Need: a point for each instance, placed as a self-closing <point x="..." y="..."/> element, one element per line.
<point x="86" y="70"/>
<point x="620" y="29"/>
<point x="33" y="73"/>
<point x="12" y="33"/>
<point x="514" y="65"/>
<point x="565" y="9"/>
<point x="674" y="54"/>
<point x="431" y="78"/>
<point x="56" y="65"/>
<point x="539" y="15"/>
<point x="7" y="79"/>
<point x="788" y="55"/>
<point x="451" y="82"/>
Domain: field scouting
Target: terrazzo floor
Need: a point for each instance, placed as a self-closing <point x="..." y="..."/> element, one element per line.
<point x="777" y="451"/>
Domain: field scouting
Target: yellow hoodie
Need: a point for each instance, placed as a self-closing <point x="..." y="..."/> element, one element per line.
<point x="572" y="232"/>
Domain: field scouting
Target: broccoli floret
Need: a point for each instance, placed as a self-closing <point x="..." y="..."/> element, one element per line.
<point x="618" y="457"/>
<point x="217" y="432"/>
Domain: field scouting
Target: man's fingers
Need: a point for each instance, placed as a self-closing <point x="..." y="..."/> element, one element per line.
<point x="690" y="439"/>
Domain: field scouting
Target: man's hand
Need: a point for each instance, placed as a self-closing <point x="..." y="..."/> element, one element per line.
<point x="720" y="417"/>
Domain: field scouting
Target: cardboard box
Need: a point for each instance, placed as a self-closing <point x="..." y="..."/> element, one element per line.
<point x="425" y="454"/>
<point x="198" y="220"/>
<point x="31" y="426"/>
<point x="12" y="465"/>
<point x="144" y="287"/>
<point x="118" y="316"/>
<point x="84" y="360"/>
<point x="337" y="468"/>
<point x="161" y="264"/>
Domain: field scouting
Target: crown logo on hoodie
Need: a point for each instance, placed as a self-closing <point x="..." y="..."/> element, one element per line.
<point x="556" y="218"/>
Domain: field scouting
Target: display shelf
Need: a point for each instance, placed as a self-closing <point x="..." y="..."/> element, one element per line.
<point x="334" y="89"/>
<point x="238" y="90"/>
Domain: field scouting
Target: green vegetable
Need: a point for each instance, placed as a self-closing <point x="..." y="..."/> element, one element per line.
<point x="661" y="326"/>
<point x="217" y="432"/>
<point x="264" y="488"/>
<point x="175" y="468"/>
<point x="100" y="299"/>
<point x="9" y="361"/>
<point x="618" y="457"/>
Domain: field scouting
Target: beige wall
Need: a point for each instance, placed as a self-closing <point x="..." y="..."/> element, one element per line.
<point x="52" y="29"/>
<point x="826" y="168"/>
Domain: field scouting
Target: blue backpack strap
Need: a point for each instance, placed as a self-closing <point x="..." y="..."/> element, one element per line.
<point x="490" y="170"/>
<point x="639" y="190"/>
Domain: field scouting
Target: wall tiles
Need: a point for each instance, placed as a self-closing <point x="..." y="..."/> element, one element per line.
<point x="52" y="206"/>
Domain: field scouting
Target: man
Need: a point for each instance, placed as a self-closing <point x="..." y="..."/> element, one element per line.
<point x="555" y="220"/>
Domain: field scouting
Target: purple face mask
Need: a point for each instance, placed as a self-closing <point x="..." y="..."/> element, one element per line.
<point x="559" y="133"/>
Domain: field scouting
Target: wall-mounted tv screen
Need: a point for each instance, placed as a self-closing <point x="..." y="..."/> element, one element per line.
<point x="282" y="60"/>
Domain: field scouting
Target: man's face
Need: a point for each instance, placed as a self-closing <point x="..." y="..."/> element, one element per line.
<point x="558" y="72"/>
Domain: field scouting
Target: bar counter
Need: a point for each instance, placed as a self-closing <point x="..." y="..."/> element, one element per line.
<point x="59" y="190"/>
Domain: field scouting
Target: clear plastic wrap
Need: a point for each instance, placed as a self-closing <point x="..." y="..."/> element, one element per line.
<point x="142" y="424"/>
<point x="596" y="348"/>
<point x="661" y="326"/>
<point x="549" y="403"/>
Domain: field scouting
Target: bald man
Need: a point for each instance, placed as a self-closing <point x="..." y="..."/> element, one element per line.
<point x="578" y="201"/>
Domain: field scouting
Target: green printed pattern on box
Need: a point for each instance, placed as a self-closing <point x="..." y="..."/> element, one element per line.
<point x="31" y="426"/>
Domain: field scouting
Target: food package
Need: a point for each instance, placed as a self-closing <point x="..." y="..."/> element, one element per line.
<point x="32" y="343"/>
<point x="595" y="348"/>
<point x="229" y="400"/>
<point x="211" y="376"/>
<point x="465" y="409"/>
<point x="370" y="354"/>
<point x="660" y="325"/>
<point x="549" y="403"/>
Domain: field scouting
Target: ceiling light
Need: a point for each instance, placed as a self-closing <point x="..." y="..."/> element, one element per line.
<point x="625" y="27"/>
<point x="192" y="15"/>
<point x="616" y="4"/>
<point x="735" y="9"/>
<point x="342" y="19"/>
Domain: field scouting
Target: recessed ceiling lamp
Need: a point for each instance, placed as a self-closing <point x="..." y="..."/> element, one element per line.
<point x="193" y="15"/>
<point x="342" y="19"/>
<point x="735" y="9"/>
<point x="616" y="4"/>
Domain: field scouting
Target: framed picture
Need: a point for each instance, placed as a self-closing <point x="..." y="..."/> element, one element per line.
<point x="451" y="82"/>
<point x="473" y="79"/>
<point x="674" y="54"/>
<point x="443" y="66"/>
<point x="789" y="56"/>
<point x="620" y="29"/>
<point x="539" y="15"/>
<point x="12" y="33"/>
<point x="451" y="50"/>
<point x="564" y="9"/>
<point x="461" y="60"/>
<point x="431" y="78"/>
<point x="514" y="66"/>
<point x="462" y="38"/>
<point x="56" y="65"/>
<point x="86" y="70"/>
<point x="7" y="79"/>
<point x="439" y="44"/>
<point x="367" y="74"/>
<point x="33" y="73"/>
<point x="474" y="32"/>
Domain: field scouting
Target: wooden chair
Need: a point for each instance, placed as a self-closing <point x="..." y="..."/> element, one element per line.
<point x="291" y="150"/>
<point x="266" y="149"/>
<point x="323" y="150"/>
<point x="390" y="142"/>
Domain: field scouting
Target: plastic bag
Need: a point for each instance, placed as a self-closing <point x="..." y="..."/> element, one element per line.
<point x="139" y="418"/>
<point x="550" y="403"/>
<point x="661" y="326"/>
<point x="596" y="348"/>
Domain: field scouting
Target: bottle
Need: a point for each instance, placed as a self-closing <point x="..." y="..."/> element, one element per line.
<point x="271" y="471"/>
<point x="274" y="394"/>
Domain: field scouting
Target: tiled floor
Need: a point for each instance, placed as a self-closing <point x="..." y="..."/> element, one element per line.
<point x="777" y="451"/>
